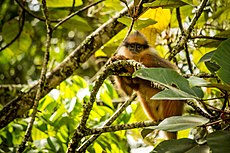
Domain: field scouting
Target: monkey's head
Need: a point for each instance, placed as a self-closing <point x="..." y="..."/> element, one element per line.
<point x="136" y="42"/>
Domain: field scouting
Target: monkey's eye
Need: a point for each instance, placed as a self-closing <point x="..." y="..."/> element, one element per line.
<point x="132" y="47"/>
<point x="139" y="47"/>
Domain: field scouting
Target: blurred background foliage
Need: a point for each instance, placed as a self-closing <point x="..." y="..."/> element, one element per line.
<point x="60" y="111"/>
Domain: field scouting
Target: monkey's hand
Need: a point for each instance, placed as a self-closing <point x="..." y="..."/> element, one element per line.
<point x="125" y="69"/>
<point x="118" y="57"/>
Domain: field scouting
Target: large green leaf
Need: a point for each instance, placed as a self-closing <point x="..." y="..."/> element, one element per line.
<point x="139" y="24"/>
<point x="177" y="123"/>
<point x="173" y="94"/>
<point x="222" y="58"/>
<point x="180" y="146"/>
<point x="165" y="4"/>
<point x="170" y="79"/>
<point x="219" y="141"/>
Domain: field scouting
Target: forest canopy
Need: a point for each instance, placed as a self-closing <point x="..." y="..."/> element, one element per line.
<point x="57" y="92"/>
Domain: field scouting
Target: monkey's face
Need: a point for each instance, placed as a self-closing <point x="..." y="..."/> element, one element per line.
<point x="136" y="47"/>
<point x="136" y="43"/>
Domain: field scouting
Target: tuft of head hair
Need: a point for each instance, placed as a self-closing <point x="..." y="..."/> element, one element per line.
<point x="136" y="37"/>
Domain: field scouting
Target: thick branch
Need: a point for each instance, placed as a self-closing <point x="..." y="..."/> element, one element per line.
<point x="17" y="107"/>
<point x="21" y="104"/>
<point x="110" y="69"/>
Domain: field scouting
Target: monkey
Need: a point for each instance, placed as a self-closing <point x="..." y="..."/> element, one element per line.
<point x="136" y="47"/>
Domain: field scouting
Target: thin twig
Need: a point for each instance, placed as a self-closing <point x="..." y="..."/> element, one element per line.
<point x="121" y="127"/>
<point x="72" y="8"/>
<point x="41" y="80"/>
<point x="19" y="33"/>
<point x="185" y="45"/>
<point x="22" y="103"/>
<point x="198" y="109"/>
<point x="75" y="13"/>
<point x="200" y="75"/>
<point x="89" y="141"/>
<point x="111" y="69"/>
<point x="186" y="34"/>
<point x="32" y="14"/>
<point x="208" y="37"/>
<point x="179" y="19"/>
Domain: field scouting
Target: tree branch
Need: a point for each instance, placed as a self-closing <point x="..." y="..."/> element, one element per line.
<point x="42" y="79"/>
<point x="75" y="13"/>
<point x="21" y="104"/>
<point x="186" y="33"/>
<point x="113" y="68"/>
<point x="89" y="141"/>
<point x="18" y="106"/>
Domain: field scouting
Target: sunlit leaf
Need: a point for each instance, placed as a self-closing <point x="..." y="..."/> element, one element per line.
<point x="143" y="22"/>
<point x="173" y="94"/>
<point x="195" y="81"/>
<point x="165" y="4"/>
<point x="57" y="114"/>
<point x="151" y="31"/>
<point x="139" y="23"/>
<point x="177" y="123"/>
<point x="38" y="134"/>
<point x="60" y="3"/>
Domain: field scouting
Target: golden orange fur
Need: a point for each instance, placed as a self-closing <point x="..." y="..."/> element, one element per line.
<point x="136" y="47"/>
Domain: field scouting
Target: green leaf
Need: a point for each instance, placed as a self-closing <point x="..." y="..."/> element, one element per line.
<point x="78" y="22"/>
<point x="165" y="4"/>
<point x="212" y="66"/>
<point x="61" y="3"/>
<point x="219" y="141"/>
<point x="195" y="81"/>
<point x="125" y="20"/>
<point x="11" y="29"/>
<point x="177" y="123"/>
<point x="206" y="57"/>
<point x="139" y="24"/>
<point x="181" y="146"/>
<point x="146" y="131"/>
<point x="172" y="94"/>
<point x="143" y="22"/>
<point x="222" y="58"/>
<point x="170" y="79"/>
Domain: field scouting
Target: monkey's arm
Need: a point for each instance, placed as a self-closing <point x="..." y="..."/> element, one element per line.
<point x="150" y="59"/>
<point x="126" y="83"/>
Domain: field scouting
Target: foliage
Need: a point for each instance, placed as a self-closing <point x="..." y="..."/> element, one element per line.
<point x="203" y="79"/>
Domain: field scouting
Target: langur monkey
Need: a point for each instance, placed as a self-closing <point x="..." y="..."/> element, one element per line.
<point x="136" y="47"/>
